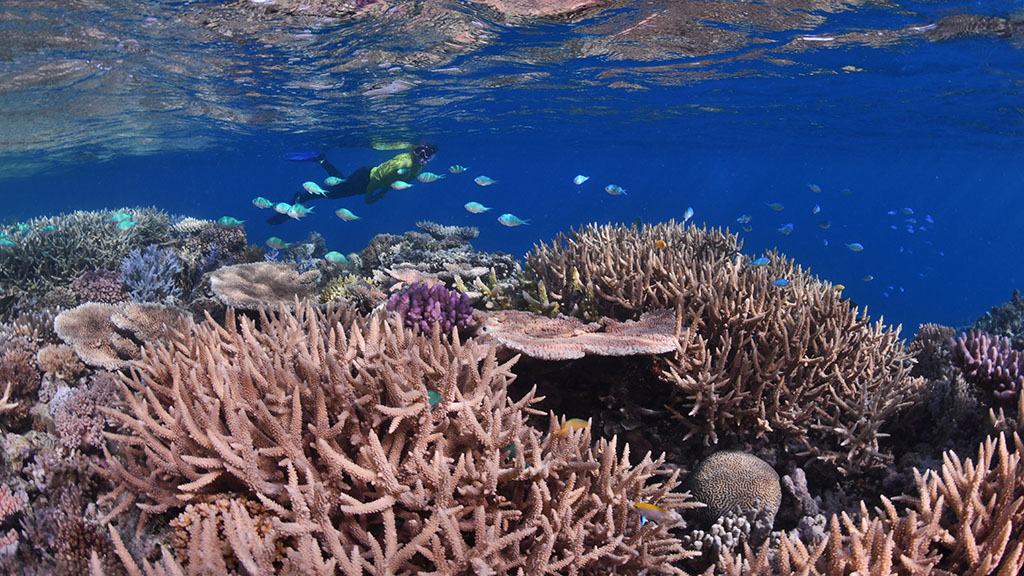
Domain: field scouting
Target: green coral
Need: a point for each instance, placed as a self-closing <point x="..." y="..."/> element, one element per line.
<point x="337" y="289"/>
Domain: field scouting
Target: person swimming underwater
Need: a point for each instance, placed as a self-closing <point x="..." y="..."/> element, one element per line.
<point x="372" y="183"/>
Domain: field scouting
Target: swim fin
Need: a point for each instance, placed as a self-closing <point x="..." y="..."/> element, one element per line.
<point x="304" y="156"/>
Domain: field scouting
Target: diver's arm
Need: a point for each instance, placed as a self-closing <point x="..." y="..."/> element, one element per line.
<point x="375" y="195"/>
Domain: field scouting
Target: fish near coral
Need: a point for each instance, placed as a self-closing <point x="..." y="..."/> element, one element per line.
<point x="572" y="425"/>
<point x="261" y="202"/>
<point x="653" y="513"/>
<point x="228" y="221"/>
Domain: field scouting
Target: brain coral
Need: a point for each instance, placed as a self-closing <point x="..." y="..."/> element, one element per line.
<point x="728" y="480"/>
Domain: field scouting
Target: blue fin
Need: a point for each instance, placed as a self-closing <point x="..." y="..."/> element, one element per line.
<point x="303" y="156"/>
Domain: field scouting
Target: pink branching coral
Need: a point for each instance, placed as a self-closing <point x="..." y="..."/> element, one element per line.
<point x="378" y="451"/>
<point x="10" y="503"/>
<point x="989" y="361"/>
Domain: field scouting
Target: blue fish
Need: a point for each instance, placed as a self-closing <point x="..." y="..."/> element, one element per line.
<point x="785" y="229"/>
<point x="758" y="262"/>
<point x="511" y="220"/>
<point x="781" y="282"/>
<point x="855" y="246"/>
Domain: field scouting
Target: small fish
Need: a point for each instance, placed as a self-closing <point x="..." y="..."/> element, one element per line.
<point x="774" y="206"/>
<point x="475" y="207"/>
<point x="484" y="180"/>
<point x="261" y="202"/>
<point x="660" y="244"/>
<point x="907" y="211"/>
<point x="688" y="214"/>
<point x="824" y="241"/>
<point x="298" y="211"/>
<point x="49" y="228"/>
<point x="814" y="188"/>
<point x="119" y="217"/>
<point x="282" y="207"/>
<point x="816" y="209"/>
<point x="314" y="188"/>
<point x="868" y="278"/>
<point x="652" y="513"/>
<point x="572" y="425"/>
<point x="758" y="262"/>
<point x="276" y="243"/>
<point x="744" y="218"/>
<point x="928" y="218"/>
<point x="428" y="177"/>
<point x="456" y="169"/>
<point x="434" y="398"/>
<point x="615" y="189"/>
<point x="346" y="215"/>
<point x="511" y="220"/>
<point x="781" y="282"/>
<point x="402" y="171"/>
<point x="891" y="212"/>
<point x="580" y="179"/>
<point x="839" y="287"/>
<point x="911" y="220"/>
<point x="125" y="224"/>
<point x="336" y="258"/>
<point x="400" y="185"/>
<point x="229" y="221"/>
<point x="845" y="191"/>
<point x="855" y="246"/>
<point x="746" y="227"/>
<point x="825" y="224"/>
<point x="333" y="181"/>
<point x="785" y="229"/>
<point x="5" y="241"/>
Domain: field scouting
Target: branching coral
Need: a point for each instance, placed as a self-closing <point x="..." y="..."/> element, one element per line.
<point x="423" y="307"/>
<point x="152" y="274"/>
<point x="376" y="451"/>
<point x="991" y="363"/>
<point x="99" y="286"/>
<point x="794" y="363"/>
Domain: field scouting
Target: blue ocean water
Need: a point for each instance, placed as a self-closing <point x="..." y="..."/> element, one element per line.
<point x="915" y="142"/>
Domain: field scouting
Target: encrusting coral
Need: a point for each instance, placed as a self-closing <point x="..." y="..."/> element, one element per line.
<point x="262" y="284"/>
<point x="797" y="363"/>
<point x="374" y="450"/>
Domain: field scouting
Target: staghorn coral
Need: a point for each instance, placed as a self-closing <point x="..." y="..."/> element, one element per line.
<point x="10" y="503"/>
<point x="99" y="286"/>
<point x="258" y="284"/>
<point x="425" y="307"/>
<point x="797" y="365"/>
<point x="334" y="432"/>
<point x="991" y="363"/>
<point x="565" y="338"/>
<point x="19" y="380"/>
<point x="731" y="481"/>
<point x="54" y="250"/>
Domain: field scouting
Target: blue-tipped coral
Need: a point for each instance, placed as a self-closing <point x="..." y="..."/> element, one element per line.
<point x="151" y="274"/>
<point x="422" y="306"/>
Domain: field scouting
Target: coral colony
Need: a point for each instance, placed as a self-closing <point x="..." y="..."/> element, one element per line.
<point x="176" y="402"/>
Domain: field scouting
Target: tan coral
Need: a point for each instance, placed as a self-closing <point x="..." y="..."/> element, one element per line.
<point x="261" y="284"/>
<point x="566" y="338"/>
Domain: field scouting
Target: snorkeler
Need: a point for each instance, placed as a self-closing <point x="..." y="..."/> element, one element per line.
<point x="372" y="183"/>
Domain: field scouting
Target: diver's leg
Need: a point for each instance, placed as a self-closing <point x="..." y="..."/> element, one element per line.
<point x="355" y="185"/>
<point x="330" y="168"/>
<point x="375" y="195"/>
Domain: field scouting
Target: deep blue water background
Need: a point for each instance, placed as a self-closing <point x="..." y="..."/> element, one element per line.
<point x="936" y="127"/>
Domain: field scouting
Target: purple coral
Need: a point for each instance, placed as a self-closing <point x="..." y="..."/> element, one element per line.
<point x="100" y="286"/>
<point x="423" y="307"/>
<point x="991" y="362"/>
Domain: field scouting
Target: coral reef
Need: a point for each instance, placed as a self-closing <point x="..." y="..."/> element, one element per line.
<point x="76" y="411"/>
<point x="109" y="336"/>
<point x="796" y="365"/>
<point x="426" y="307"/>
<point x="19" y="380"/>
<point x="991" y="363"/>
<point x="1006" y="319"/>
<point x="54" y="250"/>
<point x="338" y="438"/>
<point x="152" y="274"/>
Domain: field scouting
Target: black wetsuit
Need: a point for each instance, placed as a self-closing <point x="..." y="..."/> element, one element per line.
<point x="354" y="185"/>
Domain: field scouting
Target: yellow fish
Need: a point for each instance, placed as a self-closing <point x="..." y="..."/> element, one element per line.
<point x="571" y="425"/>
<point x="660" y="244"/>
<point x="654" y="513"/>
